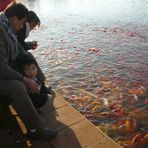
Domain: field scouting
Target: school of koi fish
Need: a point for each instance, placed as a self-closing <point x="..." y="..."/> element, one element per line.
<point x="98" y="61"/>
<point x="115" y="96"/>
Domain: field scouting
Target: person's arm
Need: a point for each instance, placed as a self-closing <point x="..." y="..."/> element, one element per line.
<point x="31" y="85"/>
<point x="6" y="72"/>
<point x="30" y="45"/>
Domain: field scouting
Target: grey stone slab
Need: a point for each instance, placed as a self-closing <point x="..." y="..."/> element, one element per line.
<point x="53" y="103"/>
<point x="66" y="139"/>
<point x="41" y="144"/>
<point x="104" y="143"/>
<point x="82" y="134"/>
<point x="62" y="117"/>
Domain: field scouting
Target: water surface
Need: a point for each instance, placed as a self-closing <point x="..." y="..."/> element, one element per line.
<point x="101" y="47"/>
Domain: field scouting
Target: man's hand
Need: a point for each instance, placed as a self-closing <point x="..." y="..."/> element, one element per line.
<point x="31" y="85"/>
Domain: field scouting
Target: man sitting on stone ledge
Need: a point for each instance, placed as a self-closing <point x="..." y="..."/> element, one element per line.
<point x="12" y="83"/>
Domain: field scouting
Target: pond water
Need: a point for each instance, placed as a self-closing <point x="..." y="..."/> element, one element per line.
<point x="101" y="47"/>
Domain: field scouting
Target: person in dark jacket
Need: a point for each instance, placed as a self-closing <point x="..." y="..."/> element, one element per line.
<point x="32" y="22"/>
<point x="12" y="83"/>
<point x="28" y="67"/>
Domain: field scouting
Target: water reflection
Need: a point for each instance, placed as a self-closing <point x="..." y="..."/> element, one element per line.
<point x="101" y="47"/>
<point x="119" y="10"/>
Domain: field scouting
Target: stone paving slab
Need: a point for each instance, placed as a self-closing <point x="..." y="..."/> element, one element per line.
<point x="74" y="130"/>
<point x="104" y="144"/>
<point x="82" y="135"/>
<point x="54" y="103"/>
<point x="62" y="117"/>
<point x="88" y="134"/>
<point x="41" y="144"/>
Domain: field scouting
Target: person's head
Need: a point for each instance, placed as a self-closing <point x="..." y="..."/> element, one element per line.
<point x="33" y="20"/>
<point x="28" y="66"/>
<point x="17" y="15"/>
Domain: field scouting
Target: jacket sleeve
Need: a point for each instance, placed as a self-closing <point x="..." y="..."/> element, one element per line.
<point x="6" y="72"/>
<point x="21" y="38"/>
<point x="27" y="45"/>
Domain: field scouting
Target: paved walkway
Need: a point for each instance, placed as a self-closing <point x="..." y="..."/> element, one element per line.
<point x="74" y="130"/>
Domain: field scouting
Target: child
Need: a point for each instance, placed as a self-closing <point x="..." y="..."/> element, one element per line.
<point x="28" y="67"/>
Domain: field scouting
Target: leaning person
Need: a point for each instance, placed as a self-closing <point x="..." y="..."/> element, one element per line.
<point x="32" y="22"/>
<point x="12" y="83"/>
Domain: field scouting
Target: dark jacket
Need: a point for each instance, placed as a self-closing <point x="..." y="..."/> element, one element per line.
<point x="6" y="71"/>
<point x="21" y="38"/>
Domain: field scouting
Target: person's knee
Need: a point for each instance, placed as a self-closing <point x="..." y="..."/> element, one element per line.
<point x="18" y="88"/>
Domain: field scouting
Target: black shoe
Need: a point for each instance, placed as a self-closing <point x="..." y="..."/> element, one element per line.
<point x="44" y="133"/>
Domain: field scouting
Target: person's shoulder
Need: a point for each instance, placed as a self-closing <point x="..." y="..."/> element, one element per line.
<point x="3" y="40"/>
<point x="3" y="33"/>
<point x="1" y="29"/>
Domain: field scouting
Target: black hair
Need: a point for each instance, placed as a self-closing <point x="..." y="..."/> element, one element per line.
<point x="16" y="9"/>
<point x="26" y="60"/>
<point x="32" y="17"/>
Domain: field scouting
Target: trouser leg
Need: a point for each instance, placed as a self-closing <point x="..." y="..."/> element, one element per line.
<point x="21" y="102"/>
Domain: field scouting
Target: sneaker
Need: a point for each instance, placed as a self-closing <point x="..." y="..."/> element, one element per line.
<point x="44" y="133"/>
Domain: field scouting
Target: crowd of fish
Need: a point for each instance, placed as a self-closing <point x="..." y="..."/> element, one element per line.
<point x="118" y="106"/>
<point x="122" y="116"/>
<point x="113" y="94"/>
